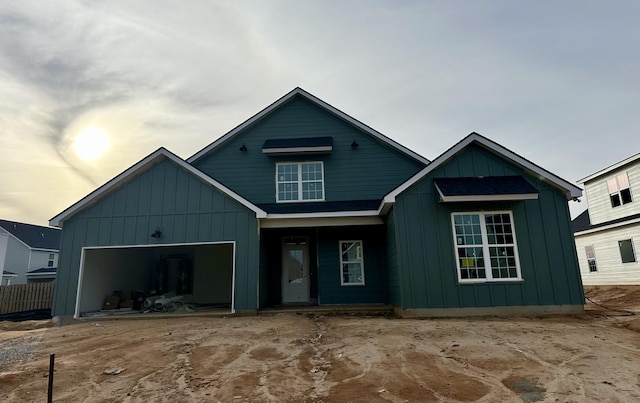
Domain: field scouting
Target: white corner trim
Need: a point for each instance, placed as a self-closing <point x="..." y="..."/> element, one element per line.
<point x="606" y="227"/>
<point x="322" y="104"/>
<point x="572" y="190"/>
<point x="92" y="197"/>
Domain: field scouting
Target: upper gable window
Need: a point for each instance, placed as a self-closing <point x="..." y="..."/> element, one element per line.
<point x="619" y="191"/>
<point x="300" y="181"/>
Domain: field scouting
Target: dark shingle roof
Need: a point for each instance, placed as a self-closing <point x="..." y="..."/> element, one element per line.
<point x="485" y="185"/>
<point x="8" y="273"/>
<point x="35" y="236"/>
<point x="320" y="207"/>
<point x="301" y="142"/>
<point x="43" y="270"/>
<point x="583" y="223"/>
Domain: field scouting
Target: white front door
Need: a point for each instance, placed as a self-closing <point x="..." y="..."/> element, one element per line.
<point x="295" y="271"/>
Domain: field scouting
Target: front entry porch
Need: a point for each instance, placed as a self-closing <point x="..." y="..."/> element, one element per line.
<point x="321" y="266"/>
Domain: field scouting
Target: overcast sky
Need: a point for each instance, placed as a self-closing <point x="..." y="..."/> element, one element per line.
<point x="558" y="82"/>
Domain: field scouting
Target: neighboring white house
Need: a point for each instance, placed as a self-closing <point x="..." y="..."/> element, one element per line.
<point x="27" y="248"/>
<point x="607" y="234"/>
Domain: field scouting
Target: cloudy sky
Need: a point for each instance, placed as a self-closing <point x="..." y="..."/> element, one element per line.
<point x="557" y="82"/>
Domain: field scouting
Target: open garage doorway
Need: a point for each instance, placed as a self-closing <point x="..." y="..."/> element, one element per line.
<point x="203" y="274"/>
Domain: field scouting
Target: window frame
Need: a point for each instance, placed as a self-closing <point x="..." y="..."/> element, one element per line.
<point x="299" y="182"/>
<point x="51" y="260"/>
<point x="485" y="248"/>
<point x="590" y="252"/>
<point x="633" y="251"/>
<point x="360" y="261"/>
<point x="615" y="189"/>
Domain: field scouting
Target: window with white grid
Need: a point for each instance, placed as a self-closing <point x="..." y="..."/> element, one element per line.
<point x="300" y="181"/>
<point x="485" y="245"/>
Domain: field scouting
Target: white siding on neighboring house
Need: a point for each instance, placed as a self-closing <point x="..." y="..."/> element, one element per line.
<point x="4" y="241"/>
<point x="611" y="270"/>
<point x="40" y="258"/>
<point x="597" y="192"/>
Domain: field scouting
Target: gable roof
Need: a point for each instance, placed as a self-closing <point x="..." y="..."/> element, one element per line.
<point x="608" y="169"/>
<point x="571" y="190"/>
<point x="33" y="236"/>
<point x="138" y="168"/>
<point x="336" y="112"/>
<point x="581" y="222"/>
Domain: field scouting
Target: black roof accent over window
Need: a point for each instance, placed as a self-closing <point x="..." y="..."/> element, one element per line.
<point x="320" y="207"/>
<point x="298" y="145"/>
<point x="485" y="186"/>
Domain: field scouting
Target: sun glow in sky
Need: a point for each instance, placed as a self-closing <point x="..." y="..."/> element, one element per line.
<point x="91" y="143"/>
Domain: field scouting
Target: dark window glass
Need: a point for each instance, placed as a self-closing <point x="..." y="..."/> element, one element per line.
<point x="626" y="196"/>
<point x="626" y="251"/>
<point x="615" y="200"/>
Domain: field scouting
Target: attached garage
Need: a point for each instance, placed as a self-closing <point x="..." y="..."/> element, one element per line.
<point x="202" y="273"/>
<point x="160" y="227"/>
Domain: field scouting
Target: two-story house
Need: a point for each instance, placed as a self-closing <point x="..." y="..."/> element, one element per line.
<point x="607" y="234"/>
<point x="304" y="205"/>
<point x="27" y="251"/>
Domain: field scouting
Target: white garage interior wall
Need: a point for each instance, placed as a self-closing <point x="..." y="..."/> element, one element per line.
<point x="110" y="269"/>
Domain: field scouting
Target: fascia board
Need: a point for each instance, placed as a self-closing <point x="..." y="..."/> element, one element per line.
<point x="325" y="214"/>
<point x="319" y="102"/>
<point x="610" y="168"/>
<point x="607" y="227"/>
<point x="57" y="221"/>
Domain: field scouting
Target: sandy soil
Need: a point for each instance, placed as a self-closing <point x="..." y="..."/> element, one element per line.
<point x="311" y="358"/>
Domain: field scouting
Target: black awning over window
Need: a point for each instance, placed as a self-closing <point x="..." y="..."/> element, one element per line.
<point x="312" y="145"/>
<point x="485" y="188"/>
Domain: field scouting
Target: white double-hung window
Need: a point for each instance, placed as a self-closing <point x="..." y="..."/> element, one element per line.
<point x="299" y="181"/>
<point x="351" y="263"/>
<point x="485" y="244"/>
<point x="619" y="190"/>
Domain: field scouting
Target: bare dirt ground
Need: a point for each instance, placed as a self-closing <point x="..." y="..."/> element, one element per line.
<point x="348" y="358"/>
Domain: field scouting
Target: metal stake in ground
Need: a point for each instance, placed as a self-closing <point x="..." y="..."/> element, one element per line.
<point x="52" y="358"/>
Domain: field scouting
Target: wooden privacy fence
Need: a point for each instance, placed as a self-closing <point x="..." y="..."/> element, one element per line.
<point x="25" y="297"/>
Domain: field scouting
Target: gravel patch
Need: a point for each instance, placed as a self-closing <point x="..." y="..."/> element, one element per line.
<point x="17" y="351"/>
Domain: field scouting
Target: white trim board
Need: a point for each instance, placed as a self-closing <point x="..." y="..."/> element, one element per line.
<point x="76" y="311"/>
<point x="606" y="227"/>
<point x="496" y="197"/>
<point x="571" y="190"/>
<point x="610" y="168"/>
<point x="321" y="222"/>
<point x="139" y="167"/>
<point x="299" y="91"/>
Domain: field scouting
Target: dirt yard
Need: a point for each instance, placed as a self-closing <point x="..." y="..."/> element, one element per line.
<point x="310" y="358"/>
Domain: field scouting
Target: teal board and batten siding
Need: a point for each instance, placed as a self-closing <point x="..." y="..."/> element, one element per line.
<point x="393" y="271"/>
<point x="425" y="245"/>
<point x="164" y="196"/>
<point x="366" y="172"/>
<point x="330" y="290"/>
